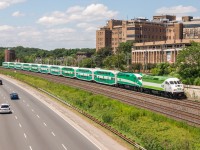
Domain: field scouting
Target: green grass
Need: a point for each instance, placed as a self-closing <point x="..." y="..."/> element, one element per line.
<point x="153" y="131"/>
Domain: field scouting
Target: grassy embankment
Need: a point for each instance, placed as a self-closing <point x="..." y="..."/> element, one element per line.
<point x="153" y="131"/>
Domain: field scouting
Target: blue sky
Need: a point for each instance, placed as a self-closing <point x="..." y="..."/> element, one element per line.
<point x="51" y="24"/>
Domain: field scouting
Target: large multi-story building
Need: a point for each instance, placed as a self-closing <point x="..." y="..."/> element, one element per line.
<point x="191" y="28"/>
<point x="9" y="55"/>
<point x="156" y="41"/>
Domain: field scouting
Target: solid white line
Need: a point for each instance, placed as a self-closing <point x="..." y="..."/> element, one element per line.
<point x="64" y="147"/>
<point x="53" y="134"/>
<point x="44" y="123"/>
<point x="30" y="148"/>
<point x="20" y="125"/>
<point x="25" y="135"/>
<point x="15" y="117"/>
<point x="38" y="116"/>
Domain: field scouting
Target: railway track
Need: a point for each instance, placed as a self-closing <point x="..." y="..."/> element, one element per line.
<point x="183" y="110"/>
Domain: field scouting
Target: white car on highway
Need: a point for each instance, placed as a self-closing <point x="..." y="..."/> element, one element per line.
<point x="5" y="109"/>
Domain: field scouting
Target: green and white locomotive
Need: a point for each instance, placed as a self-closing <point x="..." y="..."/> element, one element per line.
<point x="164" y="86"/>
<point x="129" y="80"/>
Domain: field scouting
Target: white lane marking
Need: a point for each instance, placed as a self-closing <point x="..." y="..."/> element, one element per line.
<point x="24" y="101"/>
<point x="53" y="134"/>
<point x="32" y="110"/>
<point x="64" y="147"/>
<point x="15" y="117"/>
<point x="38" y="116"/>
<point x="25" y="135"/>
<point x="44" y="123"/>
<point x="30" y="148"/>
<point x="20" y="125"/>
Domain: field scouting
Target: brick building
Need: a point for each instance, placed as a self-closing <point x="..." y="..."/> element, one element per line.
<point x="9" y="55"/>
<point x="156" y="41"/>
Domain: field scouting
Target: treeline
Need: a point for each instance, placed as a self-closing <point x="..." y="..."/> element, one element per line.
<point x="186" y="68"/>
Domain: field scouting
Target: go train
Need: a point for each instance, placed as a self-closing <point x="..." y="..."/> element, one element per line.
<point x="163" y="86"/>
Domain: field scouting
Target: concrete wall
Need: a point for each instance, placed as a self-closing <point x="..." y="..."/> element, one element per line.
<point x="192" y="92"/>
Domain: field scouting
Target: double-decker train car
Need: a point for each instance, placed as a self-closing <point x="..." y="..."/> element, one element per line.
<point x="35" y="67"/>
<point x="106" y="76"/>
<point x="26" y="66"/>
<point x="162" y="86"/>
<point x="5" y="64"/>
<point x="11" y="65"/>
<point x="85" y="74"/>
<point x="45" y="69"/>
<point x="55" y="70"/>
<point x="68" y="71"/>
<point x="18" y="66"/>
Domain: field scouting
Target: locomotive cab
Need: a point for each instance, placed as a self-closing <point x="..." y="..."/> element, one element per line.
<point x="173" y="86"/>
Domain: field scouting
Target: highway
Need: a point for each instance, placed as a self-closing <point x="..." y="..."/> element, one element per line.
<point x="34" y="126"/>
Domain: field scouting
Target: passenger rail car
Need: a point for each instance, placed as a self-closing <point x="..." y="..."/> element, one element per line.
<point x="162" y="86"/>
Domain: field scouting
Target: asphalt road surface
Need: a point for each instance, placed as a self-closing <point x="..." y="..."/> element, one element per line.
<point x="34" y="126"/>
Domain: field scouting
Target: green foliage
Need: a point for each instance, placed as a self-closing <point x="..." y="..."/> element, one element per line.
<point x="87" y="62"/>
<point x="197" y="81"/>
<point x="125" y="47"/>
<point x="188" y="62"/>
<point x="162" y="69"/>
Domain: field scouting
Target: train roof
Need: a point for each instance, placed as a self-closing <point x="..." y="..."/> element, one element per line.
<point x="172" y="79"/>
<point x="104" y="70"/>
<point x="70" y="67"/>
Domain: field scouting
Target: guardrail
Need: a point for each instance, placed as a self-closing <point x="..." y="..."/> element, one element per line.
<point x="132" y="142"/>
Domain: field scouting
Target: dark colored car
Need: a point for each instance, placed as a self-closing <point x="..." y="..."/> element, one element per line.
<point x="14" y="96"/>
<point x="1" y="82"/>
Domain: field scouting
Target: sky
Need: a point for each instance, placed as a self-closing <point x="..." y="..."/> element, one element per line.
<point x="52" y="24"/>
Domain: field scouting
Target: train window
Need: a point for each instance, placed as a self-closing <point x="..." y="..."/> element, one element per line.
<point x="139" y="78"/>
<point x="175" y="82"/>
<point x="166" y="82"/>
<point x="171" y="82"/>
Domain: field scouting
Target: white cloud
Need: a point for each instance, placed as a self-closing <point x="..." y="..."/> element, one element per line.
<point x="49" y="39"/>
<point x="7" y="3"/>
<point x="18" y="14"/>
<point x="6" y="28"/>
<point x="93" y="12"/>
<point x="176" y="10"/>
